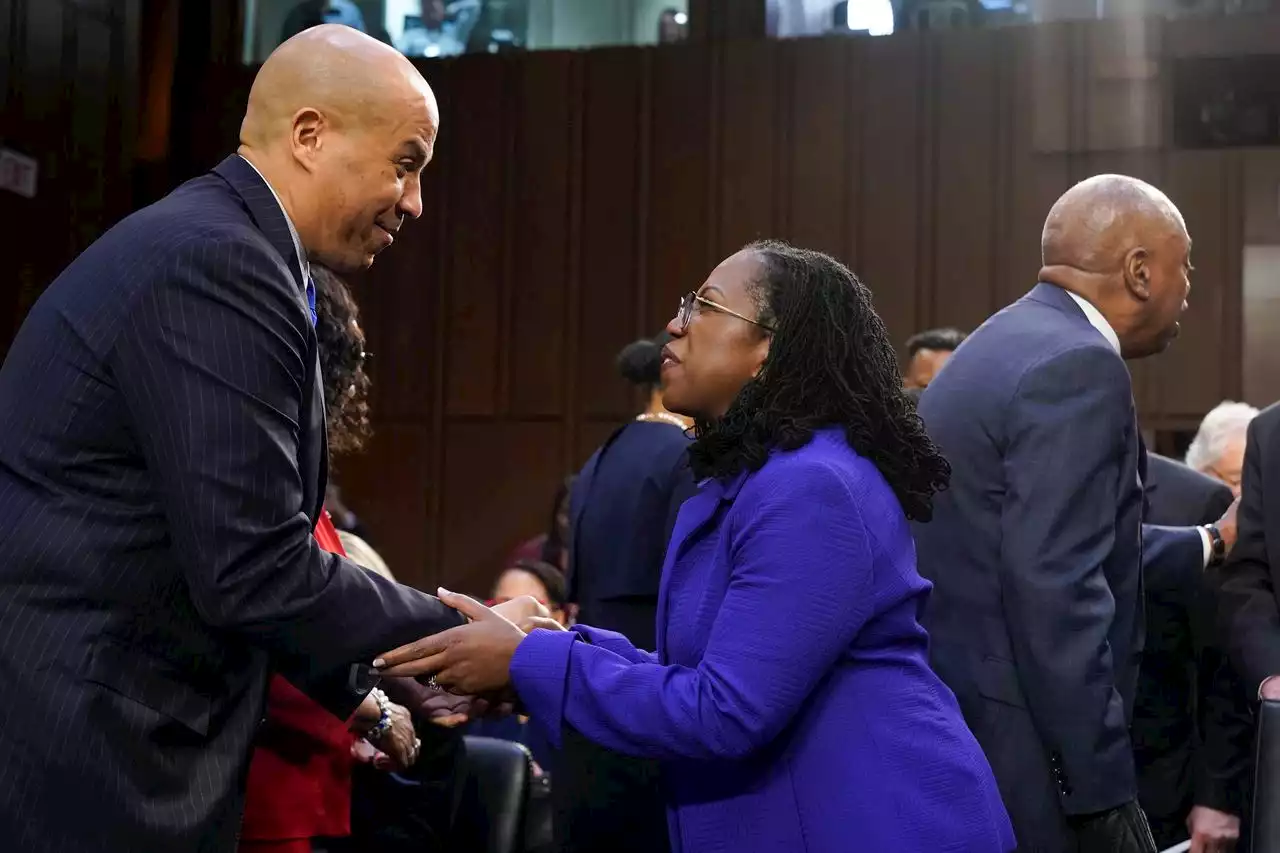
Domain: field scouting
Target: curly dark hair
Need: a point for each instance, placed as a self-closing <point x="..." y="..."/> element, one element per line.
<point x="830" y="363"/>
<point x="342" y="357"/>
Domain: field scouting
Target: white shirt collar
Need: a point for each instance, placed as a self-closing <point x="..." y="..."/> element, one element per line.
<point x="303" y="264"/>
<point x="1095" y="318"/>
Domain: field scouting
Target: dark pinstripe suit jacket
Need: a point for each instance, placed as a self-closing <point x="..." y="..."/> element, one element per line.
<point x="162" y="465"/>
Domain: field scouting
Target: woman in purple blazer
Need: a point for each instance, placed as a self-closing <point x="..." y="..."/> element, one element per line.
<point x="790" y="697"/>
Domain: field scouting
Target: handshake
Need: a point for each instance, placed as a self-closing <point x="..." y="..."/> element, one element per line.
<point x="467" y="667"/>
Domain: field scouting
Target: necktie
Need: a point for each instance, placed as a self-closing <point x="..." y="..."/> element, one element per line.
<point x="311" y="299"/>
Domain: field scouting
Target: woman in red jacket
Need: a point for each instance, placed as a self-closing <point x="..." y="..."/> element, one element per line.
<point x="299" y="785"/>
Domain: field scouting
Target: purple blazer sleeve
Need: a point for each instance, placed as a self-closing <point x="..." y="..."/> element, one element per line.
<point x="614" y="642"/>
<point x="798" y="534"/>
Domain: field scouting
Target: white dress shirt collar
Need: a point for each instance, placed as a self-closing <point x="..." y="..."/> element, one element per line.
<point x="1095" y="318"/>
<point x="303" y="265"/>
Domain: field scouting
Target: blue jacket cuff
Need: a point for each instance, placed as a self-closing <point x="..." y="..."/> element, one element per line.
<point x="540" y="673"/>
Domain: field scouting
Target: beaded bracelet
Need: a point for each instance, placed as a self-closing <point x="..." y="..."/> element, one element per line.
<point x="384" y="720"/>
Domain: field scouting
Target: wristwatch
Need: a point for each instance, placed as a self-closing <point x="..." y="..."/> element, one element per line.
<point x="1217" y="546"/>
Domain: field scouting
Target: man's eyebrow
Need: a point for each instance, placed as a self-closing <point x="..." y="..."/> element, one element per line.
<point x="416" y="149"/>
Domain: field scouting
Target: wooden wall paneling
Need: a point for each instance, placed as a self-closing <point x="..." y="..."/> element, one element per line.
<point x="538" y="269"/>
<point x="966" y="148"/>
<point x="610" y="227"/>
<point x="43" y="132"/>
<point x="68" y="83"/>
<point x="1035" y="179"/>
<point x="746" y="134"/>
<point x="391" y="486"/>
<point x="823" y="99"/>
<point x="1189" y="378"/>
<point x="95" y="129"/>
<point x="1045" y="55"/>
<point x="8" y="9"/>
<point x="679" y="246"/>
<point x="1123" y="85"/>
<point x="891" y="203"/>
<point x="1260" y="279"/>
<point x="498" y="485"/>
<point x="480" y="117"/>
<point x="398" y="313"/>
<point x="403" y="296"/>
<point x="125" y="104"/>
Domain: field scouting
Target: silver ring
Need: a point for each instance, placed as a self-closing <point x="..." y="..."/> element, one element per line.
<point x="431" y="682"/>
<point x="417" y="744"/>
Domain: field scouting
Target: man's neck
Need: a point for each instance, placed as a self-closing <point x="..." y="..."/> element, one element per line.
<point x="263" y="166"/>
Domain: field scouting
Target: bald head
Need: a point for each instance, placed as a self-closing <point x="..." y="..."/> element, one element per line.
<point x="336" y="70"/>
<point x="1121" y="244"/>
<point x="341" y="126"/>
<point x="1095" y="222"/>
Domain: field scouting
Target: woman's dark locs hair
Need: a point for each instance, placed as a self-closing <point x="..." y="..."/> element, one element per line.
<point x="342" y="357"/>
<point x="640" y="362"/>
<point x="830" y="363"/>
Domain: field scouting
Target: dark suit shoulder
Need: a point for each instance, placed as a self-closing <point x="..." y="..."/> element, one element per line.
<point x="1264" y="425"/>
<point x="200" y="213"/>
<point x="1178" y="495"/>
<point x="1024" y="346"/>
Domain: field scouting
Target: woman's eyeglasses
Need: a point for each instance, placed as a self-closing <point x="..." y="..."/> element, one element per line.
<point x="691" y="302"/>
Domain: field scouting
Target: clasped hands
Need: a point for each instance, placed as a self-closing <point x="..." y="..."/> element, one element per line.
<point x="471" y="660"/>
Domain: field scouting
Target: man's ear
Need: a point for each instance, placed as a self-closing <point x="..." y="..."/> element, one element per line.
<point x="1137" y="273"/>
<point x="307" y="136"/>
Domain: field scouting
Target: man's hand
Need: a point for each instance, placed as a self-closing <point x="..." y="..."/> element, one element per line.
<point x="399" y="744"/>
<point x="1212" y="831"/>
<point x="447" y="710"/>
<point x="473" y="659"/>
<point x="1227" y="525"/>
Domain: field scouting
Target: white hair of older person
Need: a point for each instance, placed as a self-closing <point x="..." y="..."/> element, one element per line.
<point x="1226" y="423"/>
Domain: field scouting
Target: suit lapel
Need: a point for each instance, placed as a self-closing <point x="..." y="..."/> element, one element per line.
<point x="698" y="514"/>
<point x="265" y="210"/>
<point x="313" y="454"/>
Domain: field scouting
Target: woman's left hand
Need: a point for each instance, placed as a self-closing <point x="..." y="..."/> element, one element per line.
<point x="472" y="659"/>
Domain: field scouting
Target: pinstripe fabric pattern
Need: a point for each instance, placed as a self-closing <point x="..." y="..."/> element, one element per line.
<point x="162" y="465"/>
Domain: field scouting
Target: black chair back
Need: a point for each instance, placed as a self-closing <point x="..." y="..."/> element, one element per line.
<point x="1266" y="789"/>
<point x="495" y="797"/>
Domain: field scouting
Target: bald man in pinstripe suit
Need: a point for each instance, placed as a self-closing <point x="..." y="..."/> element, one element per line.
<point x="163" y="464"/>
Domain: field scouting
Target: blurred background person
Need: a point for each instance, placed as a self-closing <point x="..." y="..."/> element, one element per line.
<point x="927" y="352"/>
<point x="1191" y="730"/>
<point x="1218" y="447"/>
<point x="551" y="546"/>
<point x="545" y="583"/>
<point x="622" y="508"/>
<point x="299" y="784"/>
